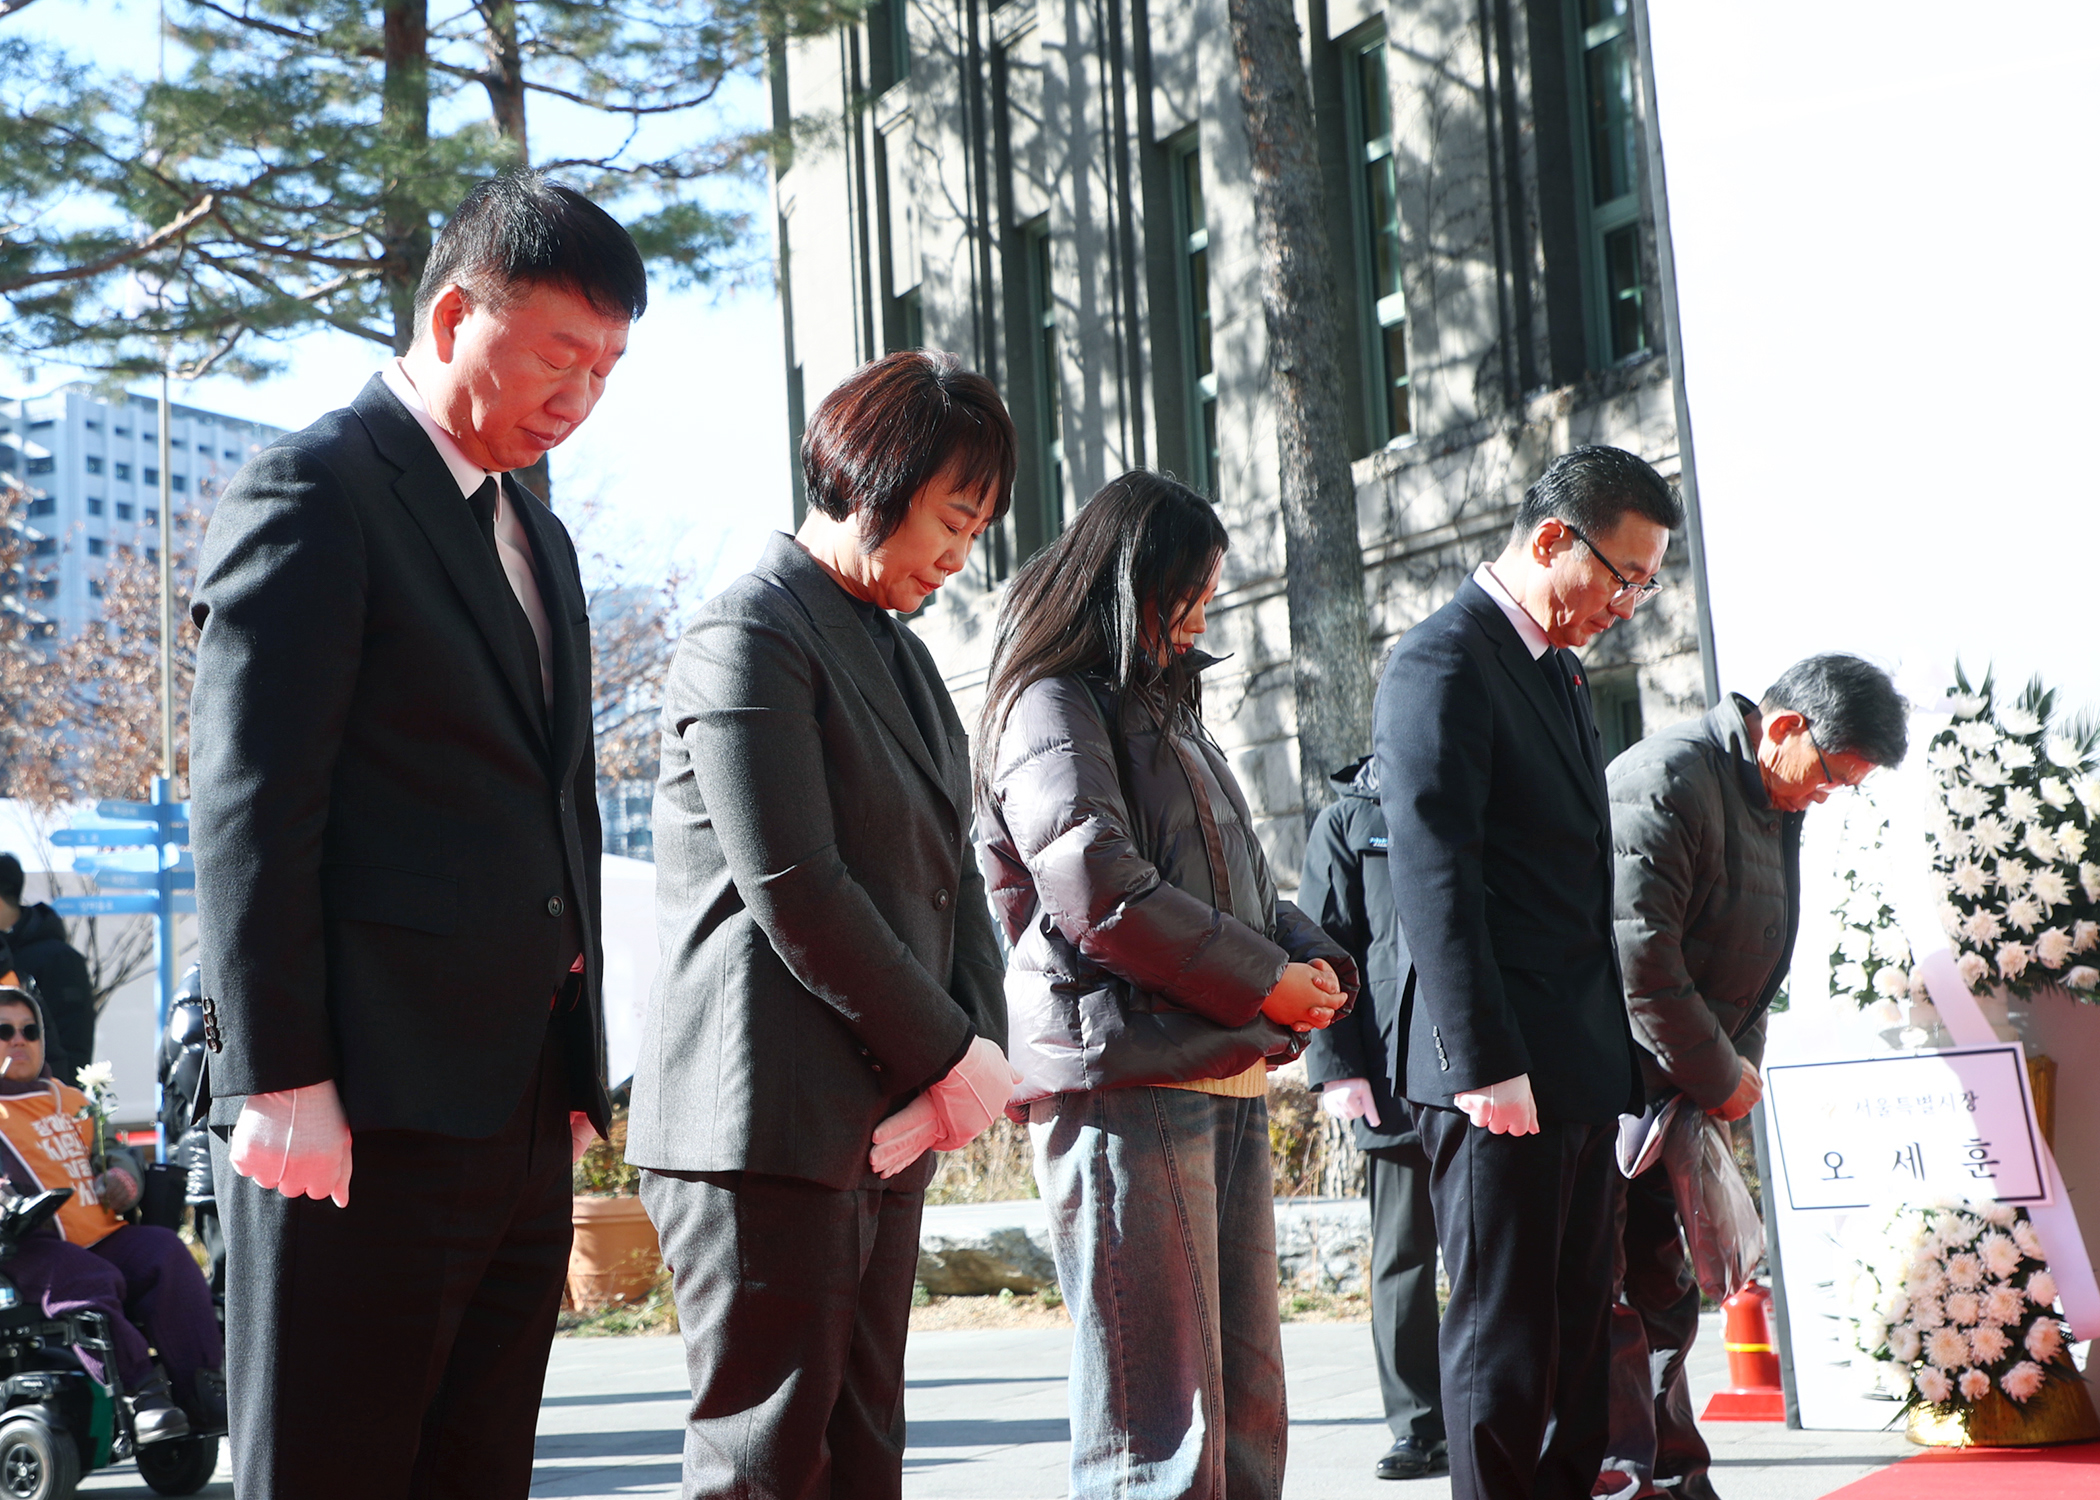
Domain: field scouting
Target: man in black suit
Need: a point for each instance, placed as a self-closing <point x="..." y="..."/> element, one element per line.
<point x="1518" y="1056"/>
<point x="397" y="844"/>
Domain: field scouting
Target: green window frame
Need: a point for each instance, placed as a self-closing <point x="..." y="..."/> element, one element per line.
<point x="1049" y="378"/>
<point x="1608" y="138"/>
<point x="1192" y="271"/>
<point x="1375" y="206"/>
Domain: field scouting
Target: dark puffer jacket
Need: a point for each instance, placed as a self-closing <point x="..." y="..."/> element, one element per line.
<point x="1145" y="930"/>
<point x="1708" y="889"/>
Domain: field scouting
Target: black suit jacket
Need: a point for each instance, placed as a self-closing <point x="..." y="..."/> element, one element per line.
<point x="827" y="946"/>
<point x="1500" y="851"/>
<point x="397" y="843"/>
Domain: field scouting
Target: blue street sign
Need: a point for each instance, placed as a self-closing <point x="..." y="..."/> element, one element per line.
<point x="108" y="838"/>
<point x="144" y="812"/>
<point x="144" y="880"/>
<point x="145" y="903"/>
<point x="93" y="864"/>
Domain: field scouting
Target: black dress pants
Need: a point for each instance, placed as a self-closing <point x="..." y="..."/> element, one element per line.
<point x="1654" y="1437"/>
<point x="396" y="1349"/>
<point x="1403" y="1292"/>
<point x="795" y="1299"/>
<point x="1526" y="1226"/>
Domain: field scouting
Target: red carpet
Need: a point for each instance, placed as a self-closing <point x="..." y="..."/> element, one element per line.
<point x="2067" y="1473"/>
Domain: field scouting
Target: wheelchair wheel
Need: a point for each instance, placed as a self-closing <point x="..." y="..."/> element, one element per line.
<point x="35" y="1462"/>
<point x="180" y="1466"/>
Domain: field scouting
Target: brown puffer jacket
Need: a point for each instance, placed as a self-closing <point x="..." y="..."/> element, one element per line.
<point x="1145" y="929"/>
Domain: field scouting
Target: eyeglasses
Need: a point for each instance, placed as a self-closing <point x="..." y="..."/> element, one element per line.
<point x="1633" y="593"/>
<point x="30" y="1033"/>
<point x="1830" y="781"/>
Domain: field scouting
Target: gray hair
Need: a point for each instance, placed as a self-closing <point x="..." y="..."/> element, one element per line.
<point x="1851" y="705"/>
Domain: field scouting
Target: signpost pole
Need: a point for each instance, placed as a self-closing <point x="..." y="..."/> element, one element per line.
<point x="163" y="941"/>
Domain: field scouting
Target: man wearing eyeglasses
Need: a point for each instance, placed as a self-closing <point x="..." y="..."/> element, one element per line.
<point x="1706" y="837"/>
<point x="1512" y="1046"/>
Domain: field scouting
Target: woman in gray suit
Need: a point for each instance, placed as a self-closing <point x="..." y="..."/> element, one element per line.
<point x="830" y="977"/>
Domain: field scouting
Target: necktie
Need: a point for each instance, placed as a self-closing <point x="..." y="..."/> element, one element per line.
<point x="483" y="503"/>
<point x="1556" y="674"/>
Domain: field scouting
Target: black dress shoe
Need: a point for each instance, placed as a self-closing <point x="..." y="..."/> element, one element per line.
<point x="1411" y="1458"/>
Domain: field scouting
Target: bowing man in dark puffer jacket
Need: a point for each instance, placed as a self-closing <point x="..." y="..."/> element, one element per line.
<point x="1154" y="978"/>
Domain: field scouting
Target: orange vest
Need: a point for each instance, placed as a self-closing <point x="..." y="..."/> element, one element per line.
<point x="45" y="1133"/>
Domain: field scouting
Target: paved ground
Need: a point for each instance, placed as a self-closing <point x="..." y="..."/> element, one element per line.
<point x="988" y="1423"/>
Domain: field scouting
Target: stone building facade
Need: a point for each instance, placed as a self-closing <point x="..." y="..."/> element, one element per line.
<point x="1056" y="190"/>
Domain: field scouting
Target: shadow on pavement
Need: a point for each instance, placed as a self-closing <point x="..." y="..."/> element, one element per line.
<point x="969" y="1432"/>
<point x="639" y="1443"/>
<point x="616" y="1398"/>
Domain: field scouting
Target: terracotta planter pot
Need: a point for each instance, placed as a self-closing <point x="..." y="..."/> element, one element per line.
<point x="2060" y="1412"/>
<point x="615" y="1257"/>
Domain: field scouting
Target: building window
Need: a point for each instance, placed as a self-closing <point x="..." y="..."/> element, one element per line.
<point x="1049" y="379"/>
<point x="231" y="454"/>
<point x="92" y="425"/>
<point x="912" y="316"/>
<point x="149" y="476"/>
<point x="97" y="547"/>
<point x="44" y="505"/>
<point x="44" y="465"/>
<point x="1377" y="214"/>
<point x="124" y="509"/>
<point x="1611" y="158"/>
<point x="94" y="465"/>
<point x="94" y="506"/>
<point x="124" y="471"/>
<point x="1615" y="704"/>
<point x="44" y="546"/>
<point x="178" y="482"/>
<point x="120" y="432"/>
<point x="1193" y="231"/>
<point x="41" y="424"/>
<point x="152" y="516"/>
<point x="95" y="588"/>
<point x="153" y="554"/>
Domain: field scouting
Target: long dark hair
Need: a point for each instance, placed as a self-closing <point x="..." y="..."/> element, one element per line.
<point x="1143" y="542"/>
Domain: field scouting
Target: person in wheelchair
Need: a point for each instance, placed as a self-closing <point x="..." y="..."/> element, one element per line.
<point x="139" y="1276"/>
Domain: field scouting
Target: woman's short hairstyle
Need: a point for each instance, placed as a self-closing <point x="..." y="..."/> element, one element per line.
<point x="898" y="422"/>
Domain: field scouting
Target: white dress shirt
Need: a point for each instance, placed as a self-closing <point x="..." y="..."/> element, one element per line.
<point x="1528" y="631"/>
<point x="512" y="545"/>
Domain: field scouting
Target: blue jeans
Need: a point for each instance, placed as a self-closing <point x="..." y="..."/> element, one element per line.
<point x="1163" y="1225"/>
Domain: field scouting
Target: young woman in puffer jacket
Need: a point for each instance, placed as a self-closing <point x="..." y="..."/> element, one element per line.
<point x="1153" y="980"/>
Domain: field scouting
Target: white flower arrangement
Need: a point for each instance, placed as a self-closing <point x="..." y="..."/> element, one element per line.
<point x="1951" y="1300"/>
<point x="98" y="1080"/>
<point x="1871" y="964"/>
<point x="2011" y="835"/>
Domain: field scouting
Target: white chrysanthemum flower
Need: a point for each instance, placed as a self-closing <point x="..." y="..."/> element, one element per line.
<point x="1977" y="734"/>
<point x="1985" y="770"/>
<point x="2045" y="1340"/>
<point x="2050" y="888"/>
<point x="1904" y="1343"/>
<point x="1944" y="755"/>
<point x="1964" y="1270"/>
<point x="1885" y="1011"/>
<point x="2089" y="880"/>
<point x="1856" y="945"/>
<point x="1972" y="968"/>
<point x="2041" y="1289"/>
<point x="2013" y="959"/>
<point x="2022" y="1380"/>
<point x="1988" y="1343"/>
<point x="1951" y="918"/>
<point x="98" y="1075"/>
<point x="1873" y="1332"/>
<point x="2070" y="841"/>
<point x="1890" y="945"/>
<point x="1982" y="926"/>
<point x="2029" y="1242"/>
<point x="1848" y="979"/>
<point x="2005" y="1305"/>
<point x="1927" y="1312"/>
<point x="2024" y="913"/>
<point x="2084" y="935"/>
<point x="2063" y="750"/>
<point x="2088" y="790"/>
<point x="2056" y="792"/>
<point x="1947" y="1347"/>
<point x="1891" y="983"/>
<point x="1965" y="705"/>
<point x="1968" y="802"/>
<point x="1968" y="878"/>
<point x="2015" y="756"/>
<point x="1964" y="1308"/>
<point x="2084" y="977"/>
<point x="2004" y="1215"/>
<point x="2041" y="843"/>
<point x="2014" y="720"/>
<point x="1934" y="1386"/>
<point x="2000" y="1256"/>
<point x="1974" y="1385"/>
<point x="2052" y="948"/>
<point x="1991" y="835"/>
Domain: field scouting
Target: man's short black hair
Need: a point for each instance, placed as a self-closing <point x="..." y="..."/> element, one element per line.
<point x="519" y="229"/>
<point x="1851" y="706"/>
<point x="1591" y="488"/>
<point x="10" y="880"/>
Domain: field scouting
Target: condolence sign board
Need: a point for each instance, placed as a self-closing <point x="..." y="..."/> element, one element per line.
<point x="1906" y="1127"/>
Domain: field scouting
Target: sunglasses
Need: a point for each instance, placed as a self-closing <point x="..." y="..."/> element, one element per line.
<point x="30" y="1033"/>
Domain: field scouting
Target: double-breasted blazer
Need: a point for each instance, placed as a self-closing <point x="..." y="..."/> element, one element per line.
<point x="1500" y="856"/>
<point x="397" y="841"/>
<point x="827" y="950"/>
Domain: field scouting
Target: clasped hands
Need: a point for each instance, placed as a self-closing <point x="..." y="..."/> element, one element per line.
<point x="297" y="1142"/>
<point x="950" y="1113"/>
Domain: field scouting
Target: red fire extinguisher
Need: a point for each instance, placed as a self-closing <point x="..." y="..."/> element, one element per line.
<point x="1753" y="1393"/>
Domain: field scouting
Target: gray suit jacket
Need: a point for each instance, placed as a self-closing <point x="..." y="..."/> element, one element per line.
<point x="827" y="947"/>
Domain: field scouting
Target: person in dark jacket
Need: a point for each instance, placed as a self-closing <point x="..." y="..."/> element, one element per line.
<point x="1347" y="889"/>
<point x="1153" y="977"/>
<point x="829" y="1003"/>
<point x="1706" y="843"/>
<point x="33" y="944"/>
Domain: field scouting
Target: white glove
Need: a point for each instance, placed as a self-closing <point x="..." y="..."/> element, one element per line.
<point x="1348" y="1098"/>
<point x="296" y="1142"/>
<point x="951" y="1113"/>
<point x="1504" y="1108"/>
